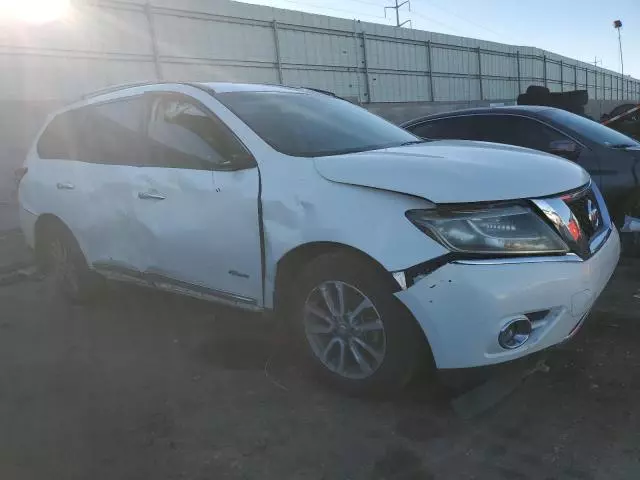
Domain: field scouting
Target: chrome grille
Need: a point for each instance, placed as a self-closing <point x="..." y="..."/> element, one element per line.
<point x="587" y="211"/>
<point x="580" y="217"/>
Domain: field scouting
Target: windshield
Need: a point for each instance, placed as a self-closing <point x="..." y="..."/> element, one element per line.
<point x="594" y="131"/>
<point x="312" y="125"/>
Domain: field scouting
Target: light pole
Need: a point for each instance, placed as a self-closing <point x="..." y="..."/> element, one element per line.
<point x="617" y="24"/>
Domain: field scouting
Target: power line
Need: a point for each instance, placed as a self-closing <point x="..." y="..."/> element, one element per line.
<point x="397" y="7"/>
<point x="429" y="19"/>
<point x="468" y="20"/>
<point x="364" y="2"/>
<point x="324" y="7"/>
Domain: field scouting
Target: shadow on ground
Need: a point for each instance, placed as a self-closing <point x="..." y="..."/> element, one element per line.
<point x="143" y="385"/>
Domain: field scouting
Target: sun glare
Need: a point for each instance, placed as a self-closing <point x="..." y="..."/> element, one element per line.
<point x="34" y="11"/>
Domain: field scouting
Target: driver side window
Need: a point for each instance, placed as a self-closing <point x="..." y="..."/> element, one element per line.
<point x="183" y="134"/>
<point x="517" y="130"/>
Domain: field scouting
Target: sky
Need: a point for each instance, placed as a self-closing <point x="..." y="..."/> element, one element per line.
<point x="580" y="29"/>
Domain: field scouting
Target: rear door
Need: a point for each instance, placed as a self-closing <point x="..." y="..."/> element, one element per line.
<point x="197" y="207"/>
<point x="88" y="157"/>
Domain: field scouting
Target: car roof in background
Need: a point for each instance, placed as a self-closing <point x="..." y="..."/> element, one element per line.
<point x="522" y="109"/>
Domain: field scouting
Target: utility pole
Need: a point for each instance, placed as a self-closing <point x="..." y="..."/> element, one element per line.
<point x="618" y="26"/>
<point x="397" y="9"/>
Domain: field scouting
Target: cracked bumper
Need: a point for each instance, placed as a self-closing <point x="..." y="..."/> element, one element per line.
<point x="462" y="307"/>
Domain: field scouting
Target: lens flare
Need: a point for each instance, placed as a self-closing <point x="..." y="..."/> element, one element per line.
<point x="34" y="11"/>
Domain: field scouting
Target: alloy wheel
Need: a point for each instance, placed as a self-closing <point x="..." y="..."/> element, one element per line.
<point x="344" y="329"/>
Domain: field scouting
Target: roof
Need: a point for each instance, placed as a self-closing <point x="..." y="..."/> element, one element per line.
<point x="521" y="109"/>
<point x="218" y="87"/>
<point x="223" y="87"/>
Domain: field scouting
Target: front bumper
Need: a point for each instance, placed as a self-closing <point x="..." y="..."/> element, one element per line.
<point x="462" y="306"/>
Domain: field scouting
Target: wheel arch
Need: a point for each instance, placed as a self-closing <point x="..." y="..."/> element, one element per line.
<point x="47" y="222"/>
<point x="297" y="258"/>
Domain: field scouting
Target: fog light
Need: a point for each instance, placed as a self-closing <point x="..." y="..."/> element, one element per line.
<point x="515" y="333"/>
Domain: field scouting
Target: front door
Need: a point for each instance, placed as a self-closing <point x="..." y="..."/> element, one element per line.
<point x="197" y="212"/>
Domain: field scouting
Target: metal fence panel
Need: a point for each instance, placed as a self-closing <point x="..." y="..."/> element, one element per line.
<point x="111" y="41"/>
<point x="203" y="72"/>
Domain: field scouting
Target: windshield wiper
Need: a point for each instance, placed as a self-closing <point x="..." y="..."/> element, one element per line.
<point x="413" y="142"/>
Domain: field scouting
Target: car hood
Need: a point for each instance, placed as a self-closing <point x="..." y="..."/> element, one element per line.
<point x="456" y="171"/>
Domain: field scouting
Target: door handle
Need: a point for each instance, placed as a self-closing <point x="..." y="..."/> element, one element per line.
<point x="65" y="186"/>
<point x="151" y="196"/>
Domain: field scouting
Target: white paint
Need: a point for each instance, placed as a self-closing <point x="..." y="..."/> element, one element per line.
<point x="480" y="171"/>
<point x="462" y="307"/>
<point x="207" y="225"/>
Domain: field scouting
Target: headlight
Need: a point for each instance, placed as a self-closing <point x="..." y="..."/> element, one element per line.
<point x="502" y="230"/>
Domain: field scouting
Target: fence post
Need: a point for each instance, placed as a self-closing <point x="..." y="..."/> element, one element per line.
<point x="561" y="77"/>
<point x="154" y="41"/>
<point x="480" y="73"/>
<point x="357" y="66"/>
<point x="276" y="39"/>
<point x="430" y="59"/>
<point x="366" y="67"/>
<point x="518" y="69"/>
<point x="544" y="69"/>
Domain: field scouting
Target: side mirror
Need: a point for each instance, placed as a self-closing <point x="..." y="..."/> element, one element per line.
<point x="565" y="148"/>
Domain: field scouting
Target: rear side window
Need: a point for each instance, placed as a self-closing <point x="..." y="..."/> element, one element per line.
<point x="515" y="130"/>
<point x="112" y="133"/>
<point x="59" y="140"/>
<point x="183" y="134"/>
<point x="464" y="128"/>
<point x="507" y="129"/>
<point x="107" y="133"/>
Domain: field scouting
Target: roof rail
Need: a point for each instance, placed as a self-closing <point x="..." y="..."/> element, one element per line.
<point x="120" y="86"/>
<point x="318" y="90"/>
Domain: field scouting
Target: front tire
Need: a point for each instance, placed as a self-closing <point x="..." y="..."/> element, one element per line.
<point x="356" y="334"/>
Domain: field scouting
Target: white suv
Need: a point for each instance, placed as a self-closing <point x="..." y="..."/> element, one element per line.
<point x="377" y="246"/>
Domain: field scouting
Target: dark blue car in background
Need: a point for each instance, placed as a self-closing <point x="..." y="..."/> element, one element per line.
<point x="612" y="158"/>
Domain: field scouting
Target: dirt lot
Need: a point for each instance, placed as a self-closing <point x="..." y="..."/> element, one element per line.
<point x="150" y="386"/>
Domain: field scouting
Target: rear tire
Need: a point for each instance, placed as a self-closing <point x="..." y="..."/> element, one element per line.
<point x="63" y="262"/>
<point x="354" y="332"/>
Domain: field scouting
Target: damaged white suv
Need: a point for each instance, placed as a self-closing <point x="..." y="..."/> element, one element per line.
<point x="375" y="245"/>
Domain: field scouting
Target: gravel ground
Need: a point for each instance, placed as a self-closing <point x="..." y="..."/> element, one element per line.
<point x="149" y="386"/>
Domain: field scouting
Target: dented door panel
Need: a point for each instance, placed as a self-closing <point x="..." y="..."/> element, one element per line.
<point x="204" y="232"/>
